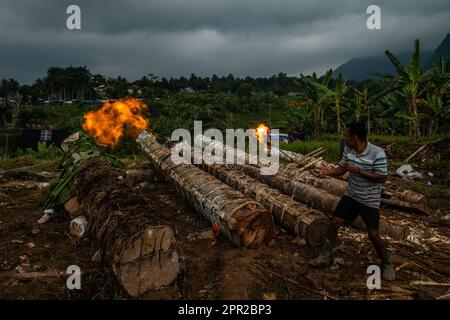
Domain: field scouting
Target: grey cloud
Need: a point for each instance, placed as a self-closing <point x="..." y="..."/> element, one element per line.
<point x="179" y="37"/>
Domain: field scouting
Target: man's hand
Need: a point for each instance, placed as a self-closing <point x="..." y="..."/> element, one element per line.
<point x="323" y="170"/>
<point x="353" y="168"/>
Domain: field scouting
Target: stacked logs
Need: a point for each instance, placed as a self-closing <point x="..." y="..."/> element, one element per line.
<point x="290" y="214"/>
<point x="242" y="220"/>
<point x="321" y="194"/>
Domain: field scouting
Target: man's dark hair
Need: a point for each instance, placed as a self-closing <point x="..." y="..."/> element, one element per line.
<point x="358" y="129"/>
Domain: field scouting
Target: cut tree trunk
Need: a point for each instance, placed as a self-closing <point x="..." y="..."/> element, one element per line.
<point x="133" y="238"/>
<point x="318" y="199"/>
<point x="242" y="220"/>
<point x="309" y="195"/>
<point x="290" y="214"/>
<point x="392" y="197"/>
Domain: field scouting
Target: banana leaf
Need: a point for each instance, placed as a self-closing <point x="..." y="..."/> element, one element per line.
<point x="78" y="152"/>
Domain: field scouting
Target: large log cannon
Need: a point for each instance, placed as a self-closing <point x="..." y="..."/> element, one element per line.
<point x="242" y="220"/>
<point x="290" y="214"/>
<point x="317" y="199"/>
<point x="130" y="235"/>
<point x="392" y="197"/>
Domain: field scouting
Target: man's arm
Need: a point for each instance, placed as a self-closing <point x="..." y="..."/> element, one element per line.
<point x="371" y="176"/>
<point x="338" y="171"/>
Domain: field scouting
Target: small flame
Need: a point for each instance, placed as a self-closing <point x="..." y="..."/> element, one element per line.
<point x="261" y="131"/>
<point x="109" y="124"/>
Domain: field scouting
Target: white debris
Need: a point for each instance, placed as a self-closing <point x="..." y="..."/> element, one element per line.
<point x="78" y="226"/>
<point x="406" y="171"/>
<point x="44" y="218"/>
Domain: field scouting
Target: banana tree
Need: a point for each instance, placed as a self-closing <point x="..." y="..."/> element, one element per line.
<point x="314" y="97"/>
<point x="364" y="101"/>
<point x="435" y="100"/>
<point x="327" y="95"/>
<point x="414" y="83"/>
<point x="339" y="92"/>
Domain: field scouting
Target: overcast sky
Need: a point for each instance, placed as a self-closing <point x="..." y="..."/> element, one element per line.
<point x="179" y="37"/>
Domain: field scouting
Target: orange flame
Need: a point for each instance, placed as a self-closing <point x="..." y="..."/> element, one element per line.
<point x="261" y="131"/>
<point x="109" y="124"/>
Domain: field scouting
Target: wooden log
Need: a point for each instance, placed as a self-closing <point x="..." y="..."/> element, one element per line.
<point x="391" y="198"/>
<point x="309" y="195"/>
<point x="299" y="159"/>
<point x="318" y="199"/>
<point x="239" y="156"/>
<point x="316" y="153"/>
<point x="394" y="191"/>
<point x="137" y="242"/>
<point x="290" y="214"/>
<point x="242" y="220"/>
<point x="28" y="276"/>
<point x="415" y="153"/>
<point x="331" y="185"/>
<point x="420" y="208"/>
<point x="72" y="207"/>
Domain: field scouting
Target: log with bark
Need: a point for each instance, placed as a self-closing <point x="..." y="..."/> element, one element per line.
<point x="300" y="159"/>
<point x="397" y="197"/>
<point x="137" y="242"/>
<point x="316" y="153"/>
<point x="392" y="196"/>
<point x="290" y="214"/>
<point x="210" y="146"/>
<point x="242" y="220"/>
<point x="318" y="199"/>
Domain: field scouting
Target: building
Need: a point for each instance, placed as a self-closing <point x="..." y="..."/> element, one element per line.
<point x="31" y="137"/>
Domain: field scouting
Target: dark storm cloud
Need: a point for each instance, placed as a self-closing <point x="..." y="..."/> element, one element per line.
<point x="179" y="37"/>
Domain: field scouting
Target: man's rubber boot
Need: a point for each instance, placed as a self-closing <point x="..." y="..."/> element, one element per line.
<point x="322" y="260"/>
<point x="387" y="270"/>
<point x="324" y="257"/>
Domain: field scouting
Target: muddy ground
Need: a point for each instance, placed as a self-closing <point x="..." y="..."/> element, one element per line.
<point x="213" y="268"/>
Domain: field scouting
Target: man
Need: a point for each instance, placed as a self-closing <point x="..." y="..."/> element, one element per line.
<point x="367" y="165"/>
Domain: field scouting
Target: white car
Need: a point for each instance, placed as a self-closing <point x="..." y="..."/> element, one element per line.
<point x="281" y="137"/>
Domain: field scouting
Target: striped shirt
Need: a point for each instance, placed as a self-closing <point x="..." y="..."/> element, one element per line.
<point x="372" y="159"/>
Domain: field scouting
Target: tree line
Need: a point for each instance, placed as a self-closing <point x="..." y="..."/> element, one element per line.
<point x="412" y="101"/>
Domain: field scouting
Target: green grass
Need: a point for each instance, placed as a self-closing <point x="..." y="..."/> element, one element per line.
<point x="44" y="159"/>
<point x="275" y="118"/>
<point x="403" y="146"/>
<point x="436" y="191"/>
<point x="303" y="147"/>
<point x="28" y="163"/>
